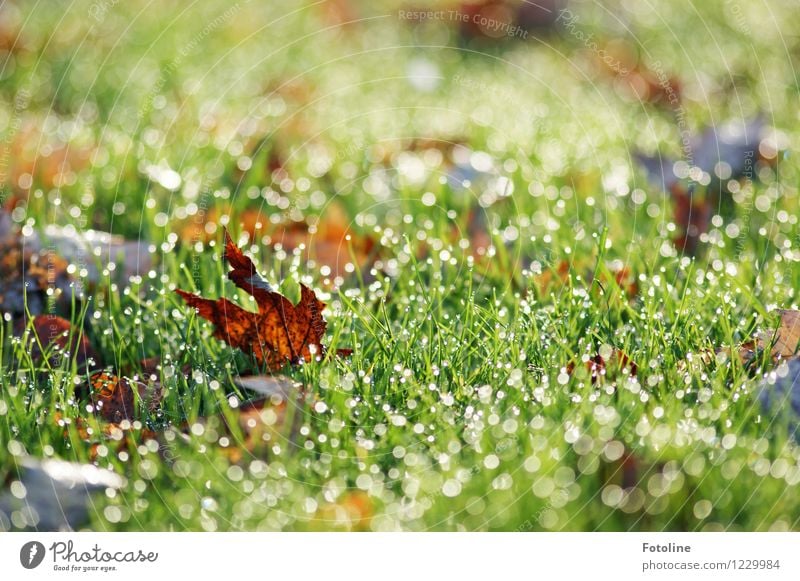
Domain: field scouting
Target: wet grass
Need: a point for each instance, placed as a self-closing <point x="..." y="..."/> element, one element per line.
<point x="470" y="401"/>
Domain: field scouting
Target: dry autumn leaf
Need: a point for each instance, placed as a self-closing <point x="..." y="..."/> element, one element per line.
<point x="352" y="511"/>
<point x="692" y="214"/>
<point x="150" y="370"/>
<point x="633" y="78"/>
<point x="502" y="20"/>
<point x="598" y="366"/>
<point x="112" y="397"/>
<point x="786" y="337"/>
<point x="55" y="336"/>
<point x="555" y="278"/>
<point x="328" y="242"/>
<point x="280" y="332"/>
<point x="781" y="342"/>
<point x="41" y="157"/>
<point x="116" y="436"/>
<point x="114" y="405"/>
<point x="254" y="427"/>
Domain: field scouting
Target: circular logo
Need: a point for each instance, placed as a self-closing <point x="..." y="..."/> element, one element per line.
<point x="31" y="554"/>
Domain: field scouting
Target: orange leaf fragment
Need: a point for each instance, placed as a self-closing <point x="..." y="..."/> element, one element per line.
<point x="112" y="397"/>
<point x="352" y="511"/>
<point x="329" y="241"/>
<point x="280" y="332"/>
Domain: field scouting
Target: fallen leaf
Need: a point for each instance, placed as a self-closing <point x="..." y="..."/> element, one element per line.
<point x="692" y="214"/>
<point x="352" y="511"/>
<point x="42" y="156"/>
<point x="728" y="151"/>
<point x="477" y="20"/>
<point x="280" y="332"/>
<point x="497" y="20"/>
<point x="112" y="397"/>
<point x="552" y="278"/>
<point x="781" y="342"/>
<point x="747" y="351"/>
<point x="786" y="337"/>
<point x="117" y="436"/>
<point x="479" y="233"/>
<point x="626" y="280"/>
<point x="151" y="371"/>
<point x="622" y="276"/>
<point x="261" y="424"/>
<point x="254" y="427"/>
<point x="55" y="336"/>
<point x="328" y="241"/>
<point x="57" y="494"/>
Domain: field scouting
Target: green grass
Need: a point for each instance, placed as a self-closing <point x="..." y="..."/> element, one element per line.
<point x="456" y="410"/>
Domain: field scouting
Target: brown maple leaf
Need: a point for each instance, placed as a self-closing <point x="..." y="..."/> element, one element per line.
<point x="280" y="332"/>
